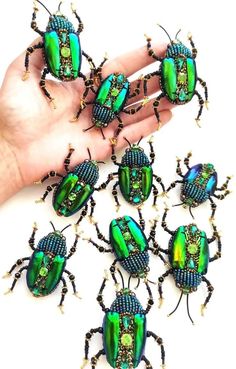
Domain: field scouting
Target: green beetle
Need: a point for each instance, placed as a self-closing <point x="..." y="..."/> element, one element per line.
<point x="189" y="257"/>
<point x="61" y="48"/>
<point x="177" y="75"/>
<point x="124" y="331"/>
<point x="47" y="265"/>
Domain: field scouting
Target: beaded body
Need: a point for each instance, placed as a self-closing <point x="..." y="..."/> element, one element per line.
<point x="47" y="264"/>
<point x="130" y="245"/>
<point x="76" y="188"/>
<point x="135" y="175"/>
<point x="124" y="328"/>
<point x="189" y="257"/>
<point x="62" y="50"/>
<point x="199" y="183"/>
<point x="110" y="99"/>
<point x="178" y="74"/>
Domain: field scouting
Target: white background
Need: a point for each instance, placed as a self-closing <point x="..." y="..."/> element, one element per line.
<point x="32" y="331"/>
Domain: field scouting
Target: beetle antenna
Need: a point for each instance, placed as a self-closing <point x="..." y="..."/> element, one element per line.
<point x="53" y="226"/>
<point x="44" y="7"/>
<point x="85" y="130"/>
<point x="90" y="157"/>
<point x="101" y="162"/>
<point x="165" y="32"/>
<point x="129" y="281"/>
<point x="59" y="6"/>
<point x="137" y="284"/>
<point x="182" y="203"/>
<point x="69" y="225"/>
<point x="140" y="140"/>
<point x="176" y="305"/>
<point x="127" y="141"/>
<point x="177" y="34"/>
<point x="188" y="309"/>
<point x="122" y="279"/>
<point x="190" y="210"/>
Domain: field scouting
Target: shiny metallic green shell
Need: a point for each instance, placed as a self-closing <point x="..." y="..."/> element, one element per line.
<point x="189" y="249"/>
<point x="127" y="237"/>
<point x="62" y="49"/>
<point x="124" y="333"/>
<point x="75" y="189"/>
<point x="178" y="78"/>
<point x="47" y="264"/>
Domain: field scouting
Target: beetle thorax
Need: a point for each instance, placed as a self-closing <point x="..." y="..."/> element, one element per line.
<point x="135" y="157"/>
<point x="60" y="22"/>
<point x="54" y="243"/>
<point x="177" y="49"/>
<point x="87" y="172"/>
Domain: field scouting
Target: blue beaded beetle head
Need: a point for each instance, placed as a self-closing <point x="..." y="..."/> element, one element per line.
<point x="54" y="242"/>
<point x="176" y="47"/>
<point x="134" y="156"/>
<point x="88" y="170"/>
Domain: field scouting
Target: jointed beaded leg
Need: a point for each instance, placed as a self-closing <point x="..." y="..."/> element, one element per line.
<point x="72" y="280"/>
<point x="215" y="236"/>
<point x="151" y="52"/>
<point x="114" y="194"/>
<point x="83" y="214"/>
<point x="164" y="225"/>
<point x="186" y="162"/>
<point x="152" y="233"/>
<point x="141" y="219"/>
<point x="160" y="343"/>
<point x="104" y="185"/>
<point x="155" y="106"/>
<point x="42" y="84"/>
<point x="194" y="50"/>
<point x="88" y="337"/>
<point x="64" y="291"/>
<point x="73" y="248"/>
<point x="18" y="275"/>
<point x="147" y="362"/>
<point x="113" y="271"/>
<point x="67" y="160"/>
<point x="155" y="195"/>
<point x="92" y="206"/>
<point x="160" y="282"/>
<point x="150" y="299"/>
<point x="100" y="296"/>
<point x="32" y="237"/>
<point x="95" y="358"/>
<point x="34" y="23"/>
<point x="201" y="103"/>
<point x="16" y="265"/>
<point x="159" y="180"/>
<point x="203" y="84"/>
<point x="48" y="190"/>
<point x="210" y="291"/>
<point x="81" y="25"/>
<point x="29" y="51"/>
<point x="100" y="235"/>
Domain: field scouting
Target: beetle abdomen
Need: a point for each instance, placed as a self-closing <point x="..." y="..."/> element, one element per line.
<point x="136" y="264"/>
<point x="102" y="115"/>
<point x="186" y="279"/>
<point x="193" y="195"/>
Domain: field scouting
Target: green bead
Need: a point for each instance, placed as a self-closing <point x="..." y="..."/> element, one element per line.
<point x="130" y="247"/>
<point x="134" y="173"/>
<point x="63" y="37"/>
<point x="120" y="78"/>
<point x="192" y="248"/>
<point x="126" y="321"/>
<point x="72" y="196"/>
<point x="43" y="272"/>
<point x="182" y="78"/>
<point x="136" y="199"/>
<point x="127" y="236"/>
<point x="126" y="340"/>
<point x="65" y="52"/>
<point x="124" y="365"/>
<point x="191" y="264"/>
<point x="135" y="185"/>
<point x="67" y="71"/>
<point x="186" y="290"/>
<point x="205" y="174"/>
<point x="115" y="92"/>
<point x="36" y="292"/>
<point x="182" y="95"/>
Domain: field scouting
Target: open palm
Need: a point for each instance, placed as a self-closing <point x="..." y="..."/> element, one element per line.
<point x="38" y="135"/>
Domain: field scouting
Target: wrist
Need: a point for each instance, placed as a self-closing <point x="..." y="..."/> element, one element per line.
<point x="10" y="176"/>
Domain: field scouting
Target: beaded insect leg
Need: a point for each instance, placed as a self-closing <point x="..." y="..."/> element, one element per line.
<point x="194" y="50"/>
<point x="88" y="337"/>
<point x="83" y="214"/>
<point x="64" y="291"/>
<point x="30" y="51"/>
<point x="100" y="237"/>
<point x="81" y="25"/>
<point x="16" y="265"/>
<point x="179" y="171"/>
<point x="163" y="223"/>
<point x="147" y="362"/>
<point x="114" y="194"/>
<point x="100" y="295"/>
<point x="17" y="275"/>
<point x="160" y="282"/>
<point x="34" y="23"/>
<point x="150" y="299"/>
<point x="104" y="185"/>
<point x="215" y="236"/>
<point x="95" y="358"/>
<point x="113" y="271"/>
<point x="32" y="237"/>
<point x="92" y="206"/>
<point x="48" y="190"/>
<point x="160" y="343"/>
<point x="151" y="52"/>
<point x="72" y="281"/>
<point x="210" y="289"/>
<point x="201" y="103"/>
<point x="42" y="84"/>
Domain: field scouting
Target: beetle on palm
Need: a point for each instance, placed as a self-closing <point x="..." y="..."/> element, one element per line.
<point x="189" y="256"/>
<point x="177" y="75"/>
<point x="124" y="331"/>
<point x="75" y="188"/>
<point x="135" y="176"/>
<point x="198" y="185"/>
<point x="46" y="267"/>
<point x="61" y="49"/>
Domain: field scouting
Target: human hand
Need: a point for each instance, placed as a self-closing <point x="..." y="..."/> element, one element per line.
<point x="34" y="137"/>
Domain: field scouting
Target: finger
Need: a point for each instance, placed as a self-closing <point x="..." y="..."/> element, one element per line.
<point x="133" y="132"/>
<point x="132" y="61"/>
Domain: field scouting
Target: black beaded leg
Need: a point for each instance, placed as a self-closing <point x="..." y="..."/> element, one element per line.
<point x="141" y="219"/>
<point x="32" y="237"/>
<point x="88" y="337"/>
<point x="213" y="208"/>
<point x="100" y="248"/>
<point x="67" y="159"/>
<point x="172" y="185"/>
<point x="83" y="214"/>
<point x="83" y="105"/>
<point x="92" y="206"/>
<point x="74" y="246"/>
<point x="72" y="281"/>
<point x="160" y="282"/>
<point x="224" y="185"/>
<point x="113" y="156"/>
<point x="137" y="89"/>
<point x="155" y="106"/>
<point x="163" y="223"/>
<point x="147" y="362"/>
<point x="104" y="185"/>
<point x="215" y="236"/>
<point x="34" y="23"/>
<point x="160" y="343"/>
<point x="48" y="190"/>
<point x="63" y="294"/>
<point x="194" y="50"/>
<point x="159" y="180"/>
<point x="49" y="175"/>
<point x="113" y="140"/>
<point x="81" y="25"/>
<point x="152" y="233"/>
<point x="16" y="265"/>
<point x="90" y="60"/>
<point x="152" y="152"/>
<point x="155" y="195"/>
<point x="100" y="296"/>
<point x="203" y="84"/>
<point x="95" y="358"/>
<point x="210" y="291"/>
<point x="201" y="103"/>
<point x="17" y="275"/>
<point x="29" y="51"/>
<point x="113" y="271"/>
<point x="150" y="299"/>
<point x="114" y="194"/>
<point x="98" y="73"/>
<point x="42" y="84"/>
<point x="186" y="162"/>
<point x="133" y="111"/>
<point x="222" y="196"/>
<point x="151" y="52"/>
<point x="146" y="79"/>
<point x="100" y="235"/>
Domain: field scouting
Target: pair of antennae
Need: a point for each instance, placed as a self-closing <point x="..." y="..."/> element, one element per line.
<point x="59" y="7"/>
<point x="69" y="225"/>
<point x="168" y="33"/>
<point x="90" y="157"/>
<point x="130" y="143"/>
